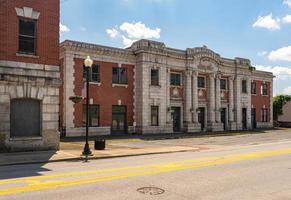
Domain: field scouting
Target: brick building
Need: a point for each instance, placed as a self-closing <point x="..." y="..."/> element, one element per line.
<point x="150" y="88"/>
<point x="29" y="74"/>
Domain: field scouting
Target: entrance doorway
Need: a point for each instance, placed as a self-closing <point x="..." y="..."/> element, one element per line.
<point x="223" y="117"/>
<point x="201" y="117"/>
<point x="25" y="118"/>
<point x="119" y="120"/>
<point x="244" y="118"/>
<point x="254" y="121"/>
<point x="176" y="116"/>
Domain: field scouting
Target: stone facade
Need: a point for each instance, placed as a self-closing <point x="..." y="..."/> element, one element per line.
<point x="209" y="108"/>
<point x="26" y="77"/>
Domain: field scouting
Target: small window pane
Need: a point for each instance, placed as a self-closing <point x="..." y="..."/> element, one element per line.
<point x="254" y="87"/>
<point x="26" y="44"/>
<point x="244" y="86"/>
<point x="26" y="38"/>
<point x="154" y="77"/>
<point x="27" y="27"/>
<point x="115" y="75"/>
<point x="123" y="76"/>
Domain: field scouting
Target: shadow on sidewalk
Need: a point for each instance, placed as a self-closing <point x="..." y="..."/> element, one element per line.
<point x="14" y="165"/>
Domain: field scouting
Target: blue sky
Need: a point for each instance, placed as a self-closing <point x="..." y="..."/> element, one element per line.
<point x="256" y="29"/>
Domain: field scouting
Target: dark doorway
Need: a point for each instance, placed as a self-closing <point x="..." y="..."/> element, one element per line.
<point x="119" y="120"/>
<point x="25" y="118"/>
<point x="223" y="117"/>
<point x="176" y="116"/>
<point x="244" y="118"/>
<point x="254" y="121"/>
<point x="201" y="117"/>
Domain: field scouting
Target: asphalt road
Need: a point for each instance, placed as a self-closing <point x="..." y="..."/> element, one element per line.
<point x="260" y="169"/>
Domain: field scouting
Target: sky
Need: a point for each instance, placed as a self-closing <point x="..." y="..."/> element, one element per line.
<point x="259" y="30"/>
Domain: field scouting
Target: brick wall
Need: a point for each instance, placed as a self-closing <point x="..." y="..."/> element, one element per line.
<point x="47" y="50"/>
<point x="104" y="95"/>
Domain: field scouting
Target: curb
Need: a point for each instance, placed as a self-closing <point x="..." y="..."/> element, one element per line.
<point x="93" y="158"/>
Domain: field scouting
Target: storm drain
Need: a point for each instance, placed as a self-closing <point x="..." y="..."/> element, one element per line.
<point x="151" y="190"/>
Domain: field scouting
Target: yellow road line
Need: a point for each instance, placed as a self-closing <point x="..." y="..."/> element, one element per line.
<point x="47" y="181"/>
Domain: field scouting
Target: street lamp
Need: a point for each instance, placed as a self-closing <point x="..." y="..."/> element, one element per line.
<point x="88" y="64"/>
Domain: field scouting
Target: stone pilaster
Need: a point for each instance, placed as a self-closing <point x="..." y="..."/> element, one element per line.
<point x="249" y="104"/>
<point x="231" y="104"/>
<point x="195" y="97"/>
<point x="217" y="100"/>
<point x="271" y="103"/>
<point x="238" y="103"/>
<point x="211" y="98"/>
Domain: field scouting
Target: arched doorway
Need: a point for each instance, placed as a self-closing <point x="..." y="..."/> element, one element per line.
<point x="25" y="120"/>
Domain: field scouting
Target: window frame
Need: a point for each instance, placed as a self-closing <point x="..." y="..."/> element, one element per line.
<point x="176" y="74"/>
<point x="34" y="37"/>
<point x="90" y="115"/>
<point x="204" y="78"/>
<point x="119" y="75"/>
<point x="91" y="74"/>
<point x="244" y="89"/>
<point x="264" y="115"/>
<point x="264" y="89"/>
<point x="223" y="79"/>
<point x="155" y="80"/>
<point x="154" y="115"/>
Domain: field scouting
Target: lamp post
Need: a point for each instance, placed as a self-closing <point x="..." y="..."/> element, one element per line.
<point x="88" y="64"/>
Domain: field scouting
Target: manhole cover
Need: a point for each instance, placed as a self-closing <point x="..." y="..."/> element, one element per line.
<point x="151" y="190"/>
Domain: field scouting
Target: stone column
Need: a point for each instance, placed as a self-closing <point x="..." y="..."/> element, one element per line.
<point x="230" y="92"/>
<point x="169" y="117"/>
<point x="188" y="97"/>
<point x="249" y="104"/>
<point x="211" y="98"/>
<point x="195" y="96"/>
<point x="217" y="100"/>
<point x="271" y="103"/>
<point x="238" y="103"/>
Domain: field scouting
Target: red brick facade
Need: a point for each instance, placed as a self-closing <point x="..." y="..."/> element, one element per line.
<point x="47" y="44"/>
<point x="260" y="101"/>
<point x="105" y="95"/>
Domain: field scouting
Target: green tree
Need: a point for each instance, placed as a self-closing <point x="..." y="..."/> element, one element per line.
<point x="278" y="103"/>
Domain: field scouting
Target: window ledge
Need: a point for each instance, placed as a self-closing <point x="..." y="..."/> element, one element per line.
<point x="155" y="86"/>
<point x="119" y="85"/>
<point x="265" y="95"/>
<point x="176" y="86"/>
<point x="26" y="55"/>
<point x="24" y="138"/>
<point x="95" y="83"/>
<point x="254" y="94"/>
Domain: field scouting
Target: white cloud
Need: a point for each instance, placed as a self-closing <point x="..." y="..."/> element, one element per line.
<point x="287" y="90"/>
<point x="113" y="33"/>
<point x="287" y="2"/>
<point x="262" y="53"/>
<point x="287" y="19"/>
<point x="127" y="42"/>
<point x="267" y="22"/>
<point x="281" y="73"/>
<point x="281" y="54"/>
<point x="64" y="28"/>
<point x="131" y="32"/>
<point x="139" y="31"/>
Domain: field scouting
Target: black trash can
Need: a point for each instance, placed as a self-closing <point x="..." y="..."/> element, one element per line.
<point x="99" y="144"/>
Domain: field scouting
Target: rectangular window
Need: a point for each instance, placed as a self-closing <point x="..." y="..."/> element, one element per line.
<point x="95" y="73"/>
<point x="154" y="77"/>
<point x="27" y="36"/>
<point x="201" y="82"/>
<point x="264" y="114"/>
<point x="254" y="87"/>
<point x="119" y="75"/>
<point x="223" y="84"/>
<point x="154" y="115"/>
<point x="244" y="86"/>
<point x="93" y="115"/>
<point x="264" y="89"/>
<point x="175" y="79"/>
